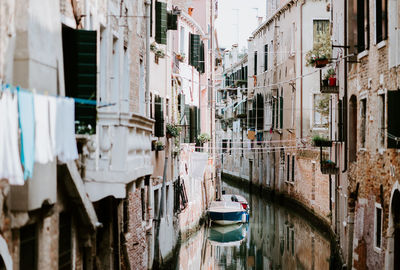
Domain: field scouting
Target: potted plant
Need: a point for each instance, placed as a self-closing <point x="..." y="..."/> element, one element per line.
<point x="328" y="167"/>
<point x="203" y="137"/>
<point x="320" y="141"/>
<point x="332" y="77"/>
<point x="173" y="130"/>
<point x="321" y="53"/>
<point x="159" y="146"/>
<point x="327" y="77"/>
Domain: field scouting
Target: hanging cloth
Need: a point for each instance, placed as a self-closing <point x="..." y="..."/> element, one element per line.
<point x="27" y="124"/>
<point x="65" y="133"/>
<point x="53" y="123"/>
<point x="10" y="165"/>
<point x="43" y="149"/>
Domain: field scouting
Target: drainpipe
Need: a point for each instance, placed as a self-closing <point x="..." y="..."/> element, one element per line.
<point x="301" y="69"/>
<point x="147" y="95"/>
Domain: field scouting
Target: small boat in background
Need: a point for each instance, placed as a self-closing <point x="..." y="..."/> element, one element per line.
<point x="227" y="212"/>
<point x="236" y="198"/>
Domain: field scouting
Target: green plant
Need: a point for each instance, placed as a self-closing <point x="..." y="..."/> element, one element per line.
<point x="322" y="49"/>
<point x="321" y="141"/>
<point x="173" y="130"/>
<point x="330" y="73"/>
<point x="159" y="146"/>
<point x="160" y="53"/>
<point x="153" y="47"/>
<point x="328" y="164"/>
<point x="203" y="137"/>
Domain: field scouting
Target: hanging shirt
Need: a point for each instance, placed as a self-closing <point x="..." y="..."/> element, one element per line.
<point x="10" y="164"/>
<point x="27" y="124"/>
<point x="53" y="123"/>
<point x="65" y="133"/>
<point x="43" y="146"/>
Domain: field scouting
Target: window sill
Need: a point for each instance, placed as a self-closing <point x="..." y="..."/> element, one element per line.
<point x="381" y="151"/>
<point x="377" y="250"/>
<point x="289" y="183"/>
<point x="278" y="131"/>
<point x="362" y="150"/>
<point x="291" y="130"/>
<point x="381" y="44"/>
<point x="362" y="54"/>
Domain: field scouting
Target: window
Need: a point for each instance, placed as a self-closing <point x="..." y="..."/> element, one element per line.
<point x="81" y="82"/>
<point x="151" y="106"/>
<point x="161" y="22"/>
<point x="167" y="199"/>
<point x="156" y="203"/>
<point x="182" y="41"/>
<point x="393" y="119"/>
<point x="320" y="29"/>
<point x="126" y="215"/>
<point x="143" y="203"/>
<point x="362" y="25"/>
<point x="159" y="116"/>
<point x="378" y="226"/>
<point x="167" y="107"/>
<point x="281" y="111"/>
<point x="224" y="145"/>
<point x="288" y="168"/>
<point x="265" y="57"/>
<point x="260" y="112"/>
<point x="230" y="147"/>
<point x="363" y="118"/>
<point x="142" y="91"/>
<point x="28" y="252"/>
<point x="195" y="44"/>
<point x="64" y="242"/>
<point x="381" y="20"/>
<point x="382" y="120"/>
<point x="293" y="160"/>
<point x="114" y="90"/>
<point x="255" y="63"/>
<point x="282" y="165"/>
<point x="321" y="110"/>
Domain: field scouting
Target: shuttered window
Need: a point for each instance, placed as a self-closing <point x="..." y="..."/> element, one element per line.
<point x="201" y="65"/>
<point x="187" y="123"/>
<point x="80" y="73"/>
<point x="194" y="46"/>
<point x="172" y="20"/>
<point x="288" y="168"/>
<point x="260" y="112"/>
<point x="161" y="22"/>
<point x="194" y="123"/>
<point x="393" y="119"/>
<point x="293" y="160"/>
<point x="159" y="116"/>
<point x="340" y="121"/>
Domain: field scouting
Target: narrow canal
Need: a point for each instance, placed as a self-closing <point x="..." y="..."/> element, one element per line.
<point x="275" y="238"/>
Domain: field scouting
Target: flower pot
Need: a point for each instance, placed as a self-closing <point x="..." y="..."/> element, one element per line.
<point x="332" y="81"/>
<point x="325" y="82"/>
<point x="319" y="63"/>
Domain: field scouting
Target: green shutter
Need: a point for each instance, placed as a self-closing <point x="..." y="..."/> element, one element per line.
<point x="198" y="122"/>
<point x="159" y="117"/>
<point x="281" y="112"/>
<point x="80" y="73"/>
<point x="193" y="124"/>
<point x="201" y="59"/>
<point x="194" y="50"/>
<point x="393" y="119"/>
<point x="187" y="116"/>
<point x="172" y="21"/>
<point x="161" y="22"/>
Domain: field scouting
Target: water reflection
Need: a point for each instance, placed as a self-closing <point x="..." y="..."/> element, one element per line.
<point x="275" y="238"/>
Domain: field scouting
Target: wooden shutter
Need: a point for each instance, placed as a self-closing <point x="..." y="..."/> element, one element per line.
<point x="255" y="63"/>
<point x="280" y="112"/>
<point x="193" y="124"/>
<point x="293" y="160"/>
<point x="393" y="119"/>
<point x="265" y="57"/>
<point x="172" y="20"/>
<point x="260" y="112"/>
<point x="161" y="22"/>
<point x="273" y="112"/>
<point x="187" y="129"/>
<point x="340" y="121"/>
<point x="80" y="72"/>
<point x="194" y="50"/>
<point x="159" y="117"/>
<point x="201" y="59"/>
<point x="198" y="122"/>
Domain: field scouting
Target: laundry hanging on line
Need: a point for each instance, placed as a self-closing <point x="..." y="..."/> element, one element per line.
<point x="47" y="131"/>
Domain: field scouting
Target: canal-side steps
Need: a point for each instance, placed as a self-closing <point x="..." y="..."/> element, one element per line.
<point x="316" y="220"/>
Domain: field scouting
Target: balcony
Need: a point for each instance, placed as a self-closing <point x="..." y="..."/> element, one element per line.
<point x="328" y="85"/>
<point x="118" y="155"/>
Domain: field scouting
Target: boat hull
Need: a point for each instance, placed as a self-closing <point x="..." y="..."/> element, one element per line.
<point x="226" y="218"/>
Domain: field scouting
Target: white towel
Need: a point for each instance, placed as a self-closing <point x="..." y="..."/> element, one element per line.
<point x="53" y="123"/>
<point x="65" y="137"/>
<point x="10" y="165"/>
<point x="43" y="145"/>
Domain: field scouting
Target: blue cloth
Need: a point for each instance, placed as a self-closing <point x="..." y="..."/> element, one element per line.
<point x="27" y="125"/>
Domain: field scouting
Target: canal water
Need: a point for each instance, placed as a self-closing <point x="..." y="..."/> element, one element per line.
<point x="276" y="237"/>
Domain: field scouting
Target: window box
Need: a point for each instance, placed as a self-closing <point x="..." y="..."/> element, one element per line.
<point x="320" y="63"/>
<point x="329" y="167"/>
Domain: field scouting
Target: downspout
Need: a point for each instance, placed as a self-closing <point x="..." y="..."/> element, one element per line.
<point x="301" y="69"/>
<point x="147" y="95"/>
